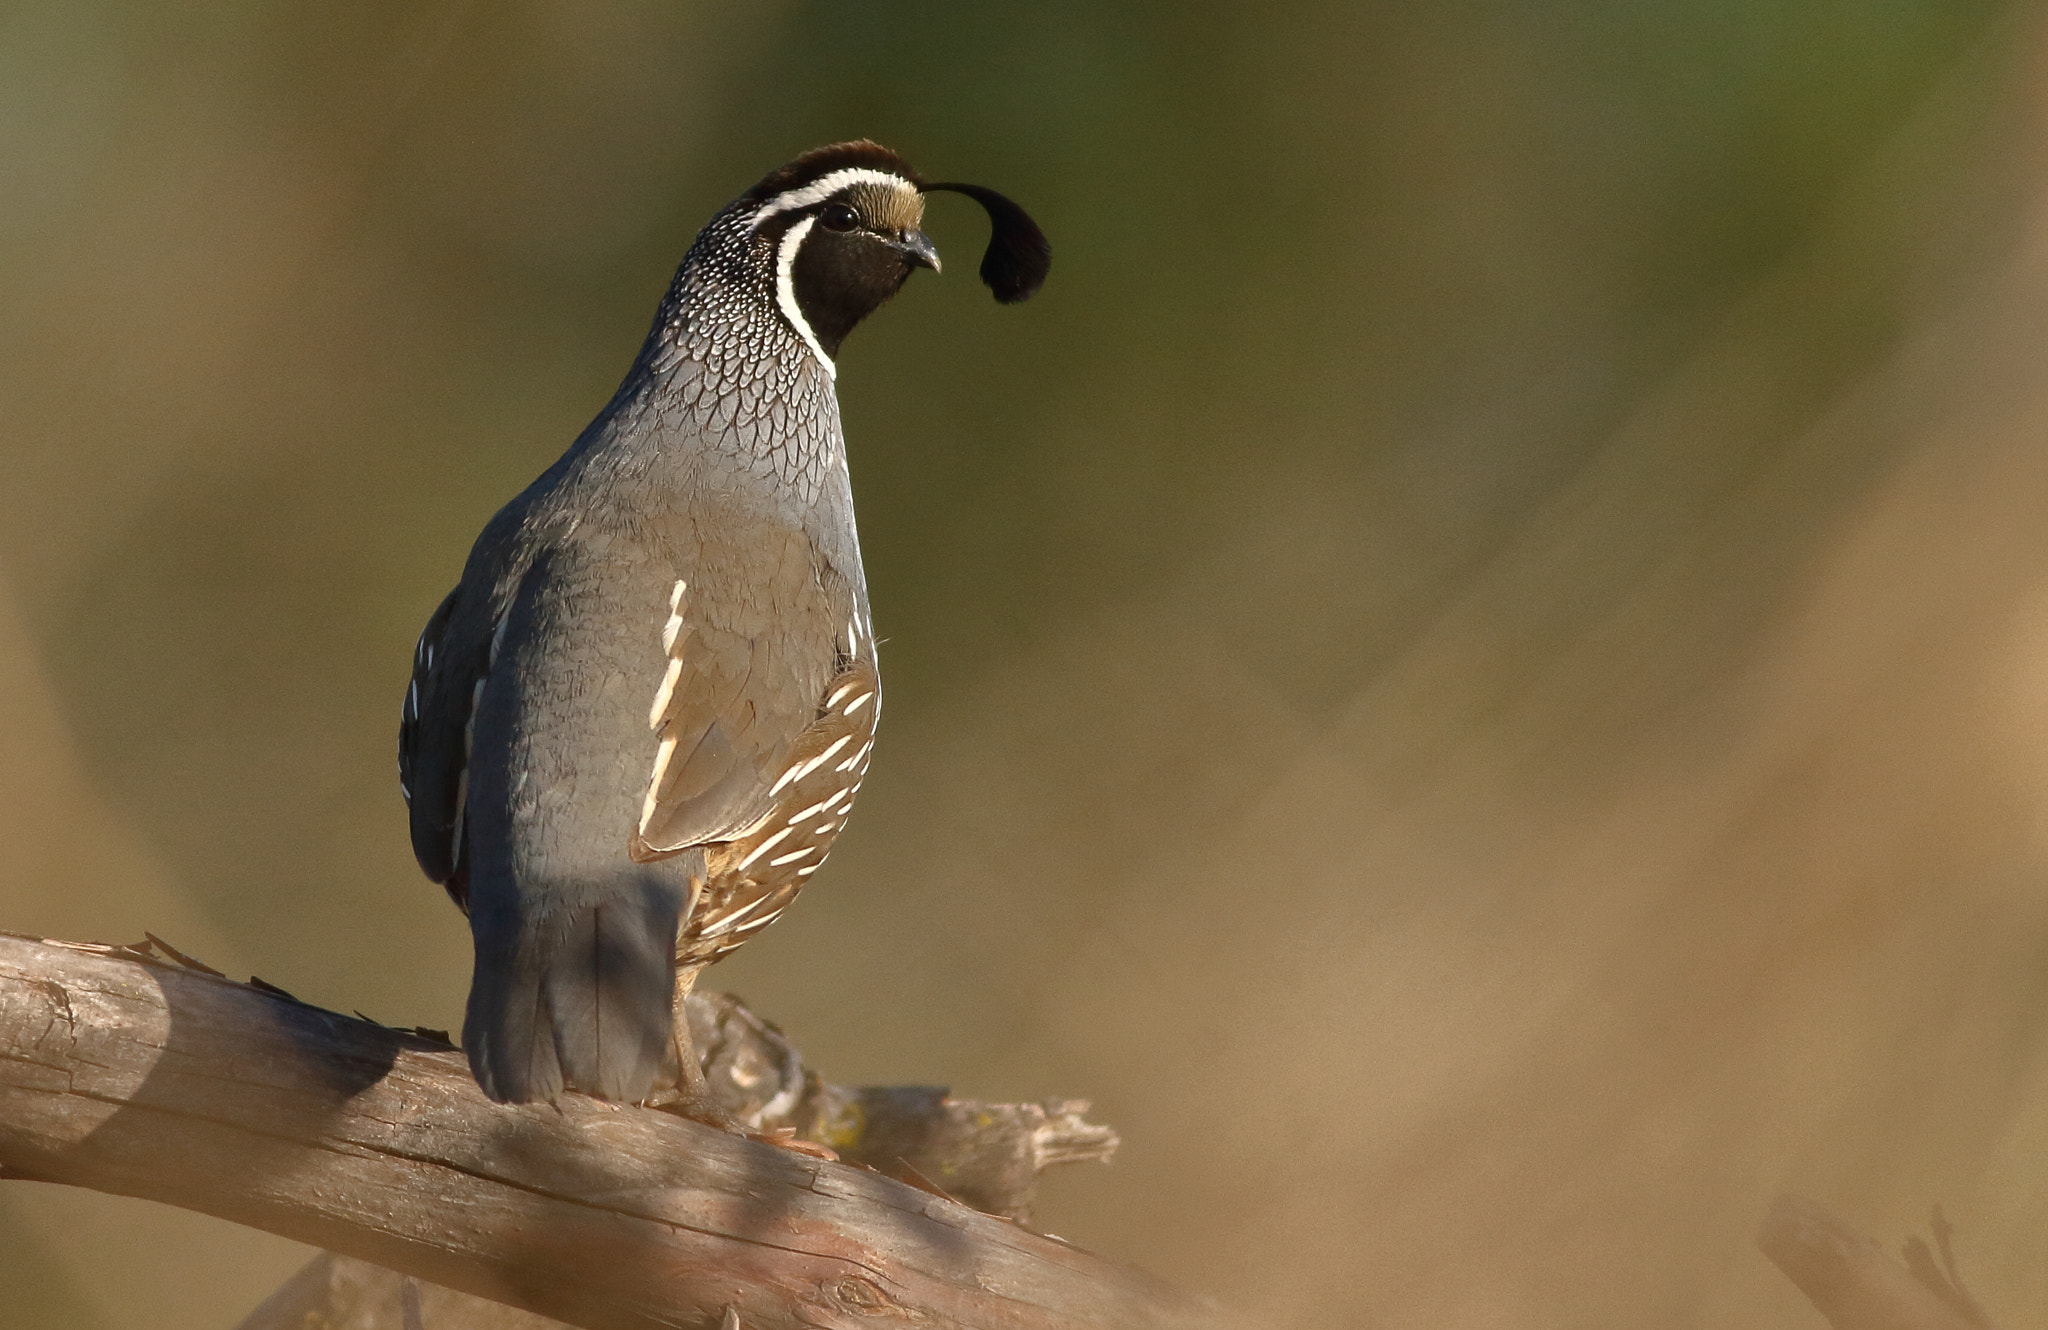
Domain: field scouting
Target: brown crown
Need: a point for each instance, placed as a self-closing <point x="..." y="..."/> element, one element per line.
<point x="823" y="161"/>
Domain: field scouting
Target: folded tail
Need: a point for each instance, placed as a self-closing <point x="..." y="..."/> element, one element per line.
<point x="578" y="997"/>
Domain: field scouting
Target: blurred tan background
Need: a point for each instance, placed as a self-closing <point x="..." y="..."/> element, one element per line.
<point x="1475" y="670"/>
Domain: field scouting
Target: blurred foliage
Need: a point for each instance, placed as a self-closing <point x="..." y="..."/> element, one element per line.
<point x="1354" y="579"/>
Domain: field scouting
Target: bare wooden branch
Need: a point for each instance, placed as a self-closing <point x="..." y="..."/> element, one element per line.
<point x="987" y="1155"/>
<point x="178" y="1086"/>
<point x="1857" y="1284"/>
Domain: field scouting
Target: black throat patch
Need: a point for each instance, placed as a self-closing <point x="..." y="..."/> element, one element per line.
<point x="839" y="279"/>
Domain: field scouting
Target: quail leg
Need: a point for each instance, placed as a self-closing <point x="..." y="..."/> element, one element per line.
<point x="689" y="1095"/>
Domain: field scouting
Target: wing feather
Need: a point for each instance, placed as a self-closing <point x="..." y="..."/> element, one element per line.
<point x="741" y="687"/>
<point x="451" y="659"/>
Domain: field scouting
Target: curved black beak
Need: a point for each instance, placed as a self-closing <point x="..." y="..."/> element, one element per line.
<point x="918" y="248"/>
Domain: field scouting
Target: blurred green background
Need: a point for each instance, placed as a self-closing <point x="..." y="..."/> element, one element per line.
<point x="1474" y="670"/>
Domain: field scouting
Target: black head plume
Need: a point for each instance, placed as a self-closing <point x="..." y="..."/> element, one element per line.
<point x="1018" y="255"/>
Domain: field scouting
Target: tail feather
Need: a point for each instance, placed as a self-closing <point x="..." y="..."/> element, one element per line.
<point x="577" y="998"/>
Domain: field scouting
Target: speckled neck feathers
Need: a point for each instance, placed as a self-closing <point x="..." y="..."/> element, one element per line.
<point x="722" y="367"/>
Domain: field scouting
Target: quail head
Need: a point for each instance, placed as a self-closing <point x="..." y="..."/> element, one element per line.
<point x="637" y="723"/>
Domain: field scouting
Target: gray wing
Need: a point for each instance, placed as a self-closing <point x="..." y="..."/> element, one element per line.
<point x="746" y="672"/>
<point x="448" y="667"/>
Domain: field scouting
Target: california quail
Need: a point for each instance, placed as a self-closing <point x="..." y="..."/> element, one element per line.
<point x="637" y="723"/>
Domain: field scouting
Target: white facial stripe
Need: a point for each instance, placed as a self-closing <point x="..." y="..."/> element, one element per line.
<point x="785" y="291"/>
<point x="824" y="187"/>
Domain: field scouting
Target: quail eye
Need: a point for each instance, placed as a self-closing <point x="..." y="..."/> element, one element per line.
<point x="839" y="217"/>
